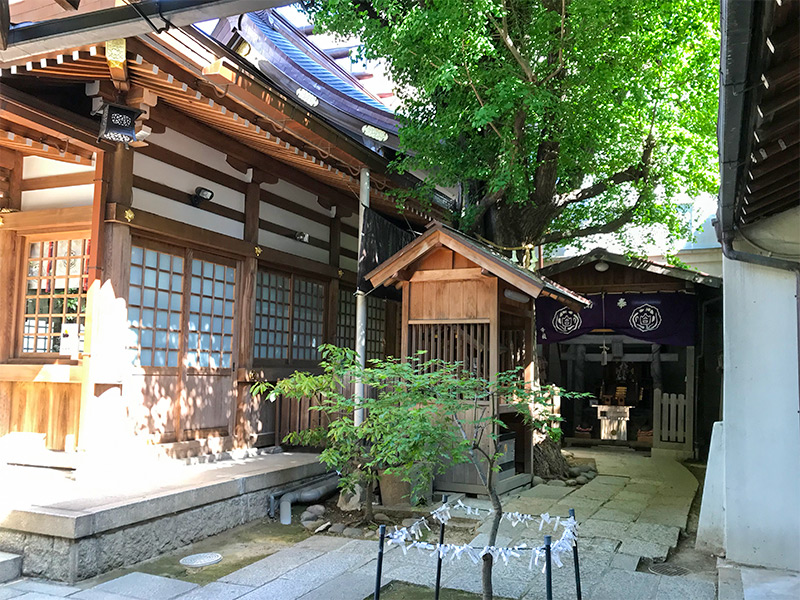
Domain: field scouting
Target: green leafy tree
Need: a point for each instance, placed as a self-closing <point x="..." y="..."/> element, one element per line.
<point x="421" y="418"/>
<point x="561" y="119"/>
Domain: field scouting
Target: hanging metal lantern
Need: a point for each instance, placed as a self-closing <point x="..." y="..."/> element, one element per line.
<point x="118" y="124"/>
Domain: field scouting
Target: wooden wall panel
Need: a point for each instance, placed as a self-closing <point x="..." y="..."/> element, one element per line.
<point x="209" y="400"/>
<point x="49" y="408"/>
<point x="150" y="400"/>
<point x="452" y="300"/>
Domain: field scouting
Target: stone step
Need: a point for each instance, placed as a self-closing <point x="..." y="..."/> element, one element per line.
<point x="10" y="566"/>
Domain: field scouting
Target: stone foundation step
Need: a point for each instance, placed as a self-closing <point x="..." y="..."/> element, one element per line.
<point x="10" y="566"/>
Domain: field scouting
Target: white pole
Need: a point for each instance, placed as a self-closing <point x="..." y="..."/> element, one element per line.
<point x="361" y="298"/>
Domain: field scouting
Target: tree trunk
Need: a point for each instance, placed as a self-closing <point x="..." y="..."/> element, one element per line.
<point x="369" y="483"/>
<point x="548" y="461"/>
<point x="486" y="567"/>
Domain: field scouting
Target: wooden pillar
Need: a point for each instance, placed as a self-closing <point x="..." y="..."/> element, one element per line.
<point x="405" y="286"/>
<point x="332" y="311"/>
<point x="690" y="401"/>
<point x="11" y="198"/>
<point x="243" y="413"/>
<point x="531" y="372"/>
<point x="10" y="251"/>
<point x="106" y="360"/>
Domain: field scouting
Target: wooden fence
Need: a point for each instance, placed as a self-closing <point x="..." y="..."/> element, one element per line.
<point x="672" y="418"/>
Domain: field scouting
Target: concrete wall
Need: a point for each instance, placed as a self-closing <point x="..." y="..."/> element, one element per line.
<point x="760" y="412"/>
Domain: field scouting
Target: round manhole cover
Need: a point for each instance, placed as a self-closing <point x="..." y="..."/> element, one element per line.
<point x="669" y="570"/>
<point x="197" y="561"/>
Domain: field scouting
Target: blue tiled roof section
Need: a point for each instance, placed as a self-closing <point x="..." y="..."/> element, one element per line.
<point x="313" y="67"/>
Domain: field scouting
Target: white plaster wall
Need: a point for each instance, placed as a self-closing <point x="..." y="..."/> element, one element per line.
<point x="292" y="246"/>
<point x="187" y="214"/>
<point x="38" y="166"/>
<point x="186" y="146"/>
<point x="711" y="527"/>
<point x="63" y="197"/>
<point x="762" y="425"/>
<point x="284" y="189"/>
<point x="160" y="172"/>
<point x="285" y="218"/>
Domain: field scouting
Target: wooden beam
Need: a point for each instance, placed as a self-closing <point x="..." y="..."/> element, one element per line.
<point x="163" y="226"/>
<point x="165" y="191"/>
<point x="188" y="126"/>
<point x="117" y="61"/>
<point x="252" y="200"/>
<point x="10" y="250"/>
<point x="41" y="373"/>
<point x="48" y="182"/>
<point x="184" y="163"/>
<point x="63" y="218"/>
<point x="68" y="4"/>
<point x="14" y="199"/>
<point x="449" y="274"/>
<point x="51" y="119"/>
<point x="26" y="145"/>
<point x="5" y="24"/>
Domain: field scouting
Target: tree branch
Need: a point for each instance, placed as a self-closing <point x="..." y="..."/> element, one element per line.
<point x="475" y="90"/>
<point x="592" y="191"/>
<point x="610" y="227"/>
<point x="509" y="43"/>
<point x="560" y="44"/>
<point x="633" y="173"/>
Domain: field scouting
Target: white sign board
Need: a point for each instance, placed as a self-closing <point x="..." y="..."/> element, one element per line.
<point x="70" y="340"/>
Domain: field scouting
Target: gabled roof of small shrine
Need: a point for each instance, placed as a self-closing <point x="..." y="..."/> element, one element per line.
<point x="603" y="255"/>
<point x="439" y="235"/>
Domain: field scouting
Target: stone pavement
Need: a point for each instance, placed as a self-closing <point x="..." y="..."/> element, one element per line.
<point x="635" y="508"/>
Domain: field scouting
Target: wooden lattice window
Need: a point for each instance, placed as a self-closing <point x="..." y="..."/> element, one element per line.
<point x="308" y="318"/>
<point x="346" y="319"/>
<point x="467" y="343"/>
<point x="155" y="300"/>
<point x="376" y="327"/>
<point x="211" y="304"/>
<point x="55" y="292"/>
<point x="376" y="323"/>
<point x="273" y="302"/>
<point x="290" y="317"/>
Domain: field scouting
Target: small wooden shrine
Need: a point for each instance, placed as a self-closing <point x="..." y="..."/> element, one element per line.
<point x="464" y="302"/>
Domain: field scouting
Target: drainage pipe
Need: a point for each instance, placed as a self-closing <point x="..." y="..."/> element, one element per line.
<point x="308" y="494"/>
<point x="276" y="494"/>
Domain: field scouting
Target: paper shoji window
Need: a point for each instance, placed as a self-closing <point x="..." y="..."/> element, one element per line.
<point x="210" y="337"/>
<point x="55" y="292"/>
<point x="154" y="306"/>
<point x="308" y="317"/>
<point x="346" y="319"/>
<point x="273" y="298"/>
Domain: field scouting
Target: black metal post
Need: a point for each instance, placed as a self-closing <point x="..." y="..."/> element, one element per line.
<point x="439" y="558"/>
<point x="577" y="564"/>
<point x="382" y="531"/>
<point x="548" y="573"/>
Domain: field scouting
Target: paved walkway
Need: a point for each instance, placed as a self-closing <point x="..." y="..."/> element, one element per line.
<point x="635" y="508"/>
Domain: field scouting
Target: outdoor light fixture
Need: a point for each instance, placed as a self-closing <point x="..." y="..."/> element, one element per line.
<point x="301" y="236"/>
<point x="201" y="195"/>
<point x="118" y="124"/>
<point x="516" y="296"/>
<point x="601" y="266"/>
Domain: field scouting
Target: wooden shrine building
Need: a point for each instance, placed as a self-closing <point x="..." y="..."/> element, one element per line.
<point x="145" y="289"/>
<point x="648" y="351"/>
<point x="463" y="302"/>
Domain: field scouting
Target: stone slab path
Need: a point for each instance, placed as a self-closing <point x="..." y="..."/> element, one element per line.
<point x="634" y="509"/>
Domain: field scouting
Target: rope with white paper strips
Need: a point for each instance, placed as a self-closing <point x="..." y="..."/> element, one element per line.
<point x="409" y="537"/>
